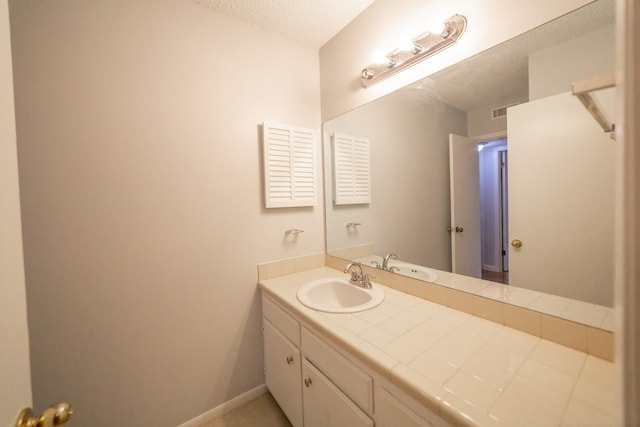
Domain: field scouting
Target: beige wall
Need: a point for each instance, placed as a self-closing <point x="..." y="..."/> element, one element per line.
<point x="142" y="201"/>
<point x="15" y="379"/>
<point x="380" y="26"/>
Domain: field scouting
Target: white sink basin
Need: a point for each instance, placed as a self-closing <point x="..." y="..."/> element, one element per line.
<point x="337" y="295"/>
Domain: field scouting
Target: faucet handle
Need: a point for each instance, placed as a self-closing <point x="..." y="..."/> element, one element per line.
<point x="376" y="264"/>
<point x="366" y="280"/>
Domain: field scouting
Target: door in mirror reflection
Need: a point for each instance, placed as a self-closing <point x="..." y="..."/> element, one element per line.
<point x="465" y="206"/>
<point x="561" y="199"/>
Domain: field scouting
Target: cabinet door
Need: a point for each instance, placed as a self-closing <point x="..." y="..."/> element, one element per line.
<point x="282" y="372"/>
<point x="325" y="405"/>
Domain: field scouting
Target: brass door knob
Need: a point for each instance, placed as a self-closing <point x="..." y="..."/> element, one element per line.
<point x="516" y="243"/>
<point x="55" y="415"/>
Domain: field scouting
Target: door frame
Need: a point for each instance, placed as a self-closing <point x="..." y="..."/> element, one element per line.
<point x="627" y="238"/>
<point x="503" y="159"/>
<point x="497" y="221"/>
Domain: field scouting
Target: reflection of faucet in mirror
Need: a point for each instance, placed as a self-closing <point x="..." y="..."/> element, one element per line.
<point x="385" y="261"/>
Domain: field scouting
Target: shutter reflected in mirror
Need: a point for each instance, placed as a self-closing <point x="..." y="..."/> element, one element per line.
<point x="289" y="166"/>
<point x="351" y="170"/>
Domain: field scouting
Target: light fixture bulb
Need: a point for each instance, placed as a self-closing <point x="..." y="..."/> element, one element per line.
<point x="409" y="51"/>
<point x="435" y="26"/>
<point x="406" y="45"/>
<point x="380" y="58"/>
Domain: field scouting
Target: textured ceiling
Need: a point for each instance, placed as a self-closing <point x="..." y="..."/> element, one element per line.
<point x="309" y="22"/>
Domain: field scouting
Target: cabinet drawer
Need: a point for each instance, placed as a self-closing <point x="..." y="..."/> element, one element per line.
<point x="289" y="326"/>
<point x="348" y="377"/>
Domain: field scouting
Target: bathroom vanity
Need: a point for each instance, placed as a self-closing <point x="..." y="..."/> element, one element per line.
<point x="412" y="362"/>
<point x="314" y="381"/>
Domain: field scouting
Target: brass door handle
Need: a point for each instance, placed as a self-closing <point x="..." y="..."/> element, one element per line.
<point x="289" y="360"/>
<point x="308" y="382"/>
<point x="56" y="415"/>
<point x="516" y="243"/>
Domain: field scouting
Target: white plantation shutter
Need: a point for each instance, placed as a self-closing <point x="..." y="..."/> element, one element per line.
<point x="289" y="166"/>
<point x="351" y="170"/>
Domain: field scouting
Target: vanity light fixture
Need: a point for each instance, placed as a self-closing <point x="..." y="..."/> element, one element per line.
<point x="421" y="47"/>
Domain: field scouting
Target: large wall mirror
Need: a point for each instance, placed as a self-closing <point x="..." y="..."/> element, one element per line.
<point x="491" y="177"/>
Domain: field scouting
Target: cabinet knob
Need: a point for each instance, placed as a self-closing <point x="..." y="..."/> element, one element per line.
<point x="307" y="382"/>
<point x="289" y="360"/>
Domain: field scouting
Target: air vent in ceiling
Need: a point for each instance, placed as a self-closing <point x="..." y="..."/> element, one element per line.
<point x="500" y="112"/>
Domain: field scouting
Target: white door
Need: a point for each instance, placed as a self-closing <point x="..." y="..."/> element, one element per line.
<point x="466" y="256"/>
<point x="283" y="372"/>
<point x="15" y="378"/>
<point x="561" y="184"/>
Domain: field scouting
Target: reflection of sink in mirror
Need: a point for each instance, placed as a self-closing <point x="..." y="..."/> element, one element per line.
<point x="415" y="271"/>
<point x="406" y="269"/>
<point x="337" y="295"/>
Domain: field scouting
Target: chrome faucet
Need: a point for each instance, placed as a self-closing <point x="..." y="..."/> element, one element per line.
<point x="357" y="276"/>
<point x="356" y="272"/>
<point x="385" y="261"/>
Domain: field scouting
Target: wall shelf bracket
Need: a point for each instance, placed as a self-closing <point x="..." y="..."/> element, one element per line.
<point x="583" y="91"/>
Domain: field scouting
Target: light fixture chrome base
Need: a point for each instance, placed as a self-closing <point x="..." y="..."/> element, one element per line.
<point x="424" y="46"/>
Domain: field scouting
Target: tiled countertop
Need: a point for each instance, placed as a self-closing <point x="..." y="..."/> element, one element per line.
<point x="590" y="314"/>
<point x="468" y="370"/>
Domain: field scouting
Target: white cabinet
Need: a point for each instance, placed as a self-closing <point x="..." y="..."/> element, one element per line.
<point x="282" y="372"/>
<point x="317" y="385"/>
<point x="325" y="405"/>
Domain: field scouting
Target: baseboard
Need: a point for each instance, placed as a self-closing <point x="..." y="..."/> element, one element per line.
<point x="225" y="407"/>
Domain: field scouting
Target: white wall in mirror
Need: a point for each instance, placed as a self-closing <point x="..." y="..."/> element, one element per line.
<point x="552" y="70"/>
<point x="405" y="194"/>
